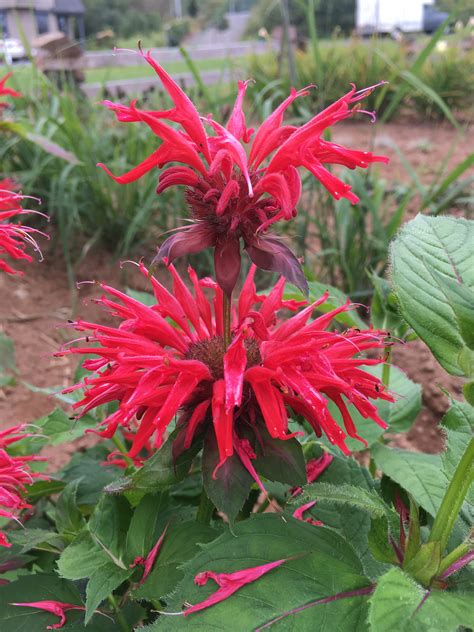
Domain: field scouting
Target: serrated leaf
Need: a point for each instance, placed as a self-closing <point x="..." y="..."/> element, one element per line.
<point x="30" y="539"/>
<point x="356" y="497"/>
<point x="324" y="564"/>
<point x="229" y="490"/>
<point x="103" y="582"/>
<point x="59" y="428"/>
<point x="181" y="543"/>
<point x="68" y="518"/>
<point x="81" y="558"/>
<point x="39" y="489"/>
<point x="398" y="603"/>
<point x="458" y="423"/>
<point x="146" y="524"/>
<point x="94" y="476"/>
<point x="108" y="526"/>
<point x="426" y="250"/>
<point x="421" y="475"/>
<point x="281" y="461"/>
<point x="162" y="469"/>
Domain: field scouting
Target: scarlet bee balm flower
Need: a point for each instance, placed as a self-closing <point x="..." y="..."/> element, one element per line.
<point x="233" y="194"/>
<point x="170" y="360"/>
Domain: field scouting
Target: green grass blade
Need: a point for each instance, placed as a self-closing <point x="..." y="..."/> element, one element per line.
<point x="420" y="86"/>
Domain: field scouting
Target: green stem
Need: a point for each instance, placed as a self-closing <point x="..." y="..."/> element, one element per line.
<point x="226" y="316"/>
<point x="453" y="498"/>
<point x="455" y="554"/>
<point x="121" y="447"/>
<point x="386" y="368"/>
<point x="205" y="509"/>
<point x="118" y="616"/>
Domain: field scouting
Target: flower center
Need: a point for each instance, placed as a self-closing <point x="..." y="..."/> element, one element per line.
<point x="211" y="352"/>
<point x="226" y="208"/>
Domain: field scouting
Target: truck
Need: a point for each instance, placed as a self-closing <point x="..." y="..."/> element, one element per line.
<point x="390" y="17"/>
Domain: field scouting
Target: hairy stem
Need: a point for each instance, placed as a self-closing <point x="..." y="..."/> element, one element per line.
<point x="453" y="498"/>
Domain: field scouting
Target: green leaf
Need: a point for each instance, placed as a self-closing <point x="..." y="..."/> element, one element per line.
<point x="30" y="539"/>
<point x="398" y="603"/>
<point x="103" y="582"/>
<point x="458" y="423"/>
<point x="94" y="476"/>
<point x="7" y="360"/>
<point x="433" y="276"/>
<point x="39" y="489"/>
<point x="421" y="475"/>
<point x="336" y="299"/>
<point x="229" y="490"/>
<point x="146" y="525"/>
<point x="40" y="587"/>
<point x="109" y="524"/>
<point x="60" y="428"/>
<point x="323" y="565"/>
<point x="68" y="518"/>
<point x="281" y="461"/>
<point x="160" y="471"/>
<point x="81" y="558"/>
<point x="420" y="86"/>
<point x="181" y="544"/>
<point x="355" y="497"/>
<point x="379" y="543"/>
<point x="425" y="563"/>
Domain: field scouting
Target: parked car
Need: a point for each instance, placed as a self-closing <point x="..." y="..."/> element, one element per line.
<point x="12" y="49"/>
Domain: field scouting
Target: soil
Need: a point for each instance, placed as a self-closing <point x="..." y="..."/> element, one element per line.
<point x="35" y="307"/>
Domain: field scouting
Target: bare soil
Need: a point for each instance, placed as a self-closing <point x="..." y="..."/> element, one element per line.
<point x="34" y="308"/>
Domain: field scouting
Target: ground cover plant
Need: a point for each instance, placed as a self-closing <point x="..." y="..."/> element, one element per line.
<point x="223" y="491"/>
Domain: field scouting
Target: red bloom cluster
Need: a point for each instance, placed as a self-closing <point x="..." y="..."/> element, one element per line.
<point x="7" y="92"/>
<point x="170" y="359"/>
<point x="14" y="475"/>
<point x="13" y="237"/>
<point x="232" y="194"/>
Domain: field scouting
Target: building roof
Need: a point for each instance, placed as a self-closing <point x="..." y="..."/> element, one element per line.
<point x="71" y="7"/>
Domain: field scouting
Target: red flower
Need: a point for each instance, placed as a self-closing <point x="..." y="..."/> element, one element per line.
<point x="4" y="91"/>
<point x="148" y="562"/>
<point x="170" y="359"/>
<point x="314" y="469"/>
<point x="233" y="195"/>
<point x="229" y="583"/>
<point x="14" y="475"/>
<point x="57" y="608"/>
<point x="14" y="237"/>
<point x="298" y="514"/>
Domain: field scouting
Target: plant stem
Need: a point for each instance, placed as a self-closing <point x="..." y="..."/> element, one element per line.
<point x="205" y="509"/>
<point x="453" y="498"/>
<point x="120" y="445"/>
<point x="386" y="368"/>
<point x="118" y="616"/>
<point x="226" y="311"/>
<point x="455" y="554"/>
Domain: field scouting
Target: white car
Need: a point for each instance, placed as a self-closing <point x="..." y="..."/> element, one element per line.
<point x="12" y="49"/>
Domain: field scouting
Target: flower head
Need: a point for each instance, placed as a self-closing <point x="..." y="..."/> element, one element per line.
<point x="14" y="238"/>
<point x="7" y="92"/>
<point x="170" y="360"/>
<point x="15" y="474"/>
<point x="234" y="194"/>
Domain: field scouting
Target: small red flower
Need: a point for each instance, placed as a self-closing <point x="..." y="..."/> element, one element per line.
<point x="233" y="194"/>
<point x="57" y="608"/>
<point x="7" y="92"/>
<point x="15" y="474"/>
<point x="170" y="360"/>
<point x="229" y="583"/>
<point x="148" y="561"/>
<point x="314" y="469"/>
<point x="14" y="238"/>
<point x="298" y="514"/>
